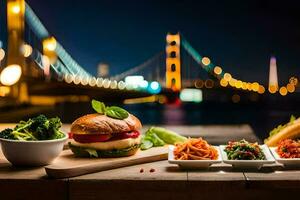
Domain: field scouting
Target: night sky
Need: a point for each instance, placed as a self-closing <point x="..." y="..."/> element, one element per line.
<point x="240" y="36"/>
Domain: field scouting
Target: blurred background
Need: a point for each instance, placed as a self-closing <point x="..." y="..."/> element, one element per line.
<point x="168" y="62"/>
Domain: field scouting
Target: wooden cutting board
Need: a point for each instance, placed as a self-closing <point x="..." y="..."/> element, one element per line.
<point x="67" y="165"/>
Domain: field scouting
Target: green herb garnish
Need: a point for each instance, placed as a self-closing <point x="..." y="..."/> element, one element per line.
<point x="110" y="111"/>
<point x="98" y="106"/>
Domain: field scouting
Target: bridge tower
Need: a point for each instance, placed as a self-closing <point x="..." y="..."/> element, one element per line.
<point x="173" y="65"/>
<point x="15" y="58"/>
<point x="273" y="77"/>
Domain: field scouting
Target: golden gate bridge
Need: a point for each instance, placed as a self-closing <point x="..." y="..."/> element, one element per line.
<point x="36" y="69"/>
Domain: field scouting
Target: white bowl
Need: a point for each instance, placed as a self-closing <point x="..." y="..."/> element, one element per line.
<point x="249" y="163"/>
<point x="287" y="162"/>
<point x="32" y="153"/>
<point x="193" y="164"/>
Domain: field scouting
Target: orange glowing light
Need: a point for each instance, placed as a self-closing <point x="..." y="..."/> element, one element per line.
<point x="244" y="86"/>
<point x="50" y="44"/>
<point x="2" y="54"/>
<point x="293" y="80"/>
<point x="16" y="8"/>
<point x="272" y="89"/>
<point x="223" y="82"/>
<point x="205" y="61"/>
<point x="238" y="84"/>
<point x="217" y="70"/>
<point x="232" y="82"/>
<point x="227" y="77"/>
<point x="283" y="91"/>
<point x="4" y="90"/>
<point x="255" y="86"/>
<point x="249" y="86"/>
<point x="261" y="89"/>
<point x="290" y="88"/>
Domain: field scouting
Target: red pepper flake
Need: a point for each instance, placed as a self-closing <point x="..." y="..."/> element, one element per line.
<point x="152" y="170"/>
<point x="141" y="170"/>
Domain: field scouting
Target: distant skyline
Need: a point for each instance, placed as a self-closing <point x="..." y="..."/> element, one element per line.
<point x="240" y="36"/>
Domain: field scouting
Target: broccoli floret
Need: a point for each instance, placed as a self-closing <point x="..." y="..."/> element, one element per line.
<point x="6" y="134"/>
<point x="54" y="126"/>
<point x="37" y="128"/>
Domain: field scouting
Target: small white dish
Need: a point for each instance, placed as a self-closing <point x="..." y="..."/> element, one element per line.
<point x="248" y="163"/>
<point x="32" y="153"/>
<point x="192" y="164"/>
<point x="287" y="162"/>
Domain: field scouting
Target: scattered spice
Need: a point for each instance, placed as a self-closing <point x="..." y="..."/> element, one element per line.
<point x="141" y="170"/>
<point x="152" y="170"/>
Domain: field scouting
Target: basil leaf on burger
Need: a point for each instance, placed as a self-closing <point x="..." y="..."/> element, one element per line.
<point x="116" y="112"/>
<point x="112" y="111"/>
<point x="111" y="132"/>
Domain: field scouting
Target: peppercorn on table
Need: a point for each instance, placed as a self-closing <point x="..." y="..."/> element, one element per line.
<point x="157" y="180"/>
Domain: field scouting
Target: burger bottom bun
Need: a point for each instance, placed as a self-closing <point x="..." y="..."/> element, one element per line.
<point x="114" y="153"/>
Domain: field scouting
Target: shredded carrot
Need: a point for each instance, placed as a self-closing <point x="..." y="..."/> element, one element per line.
<point x="195" y="149"/>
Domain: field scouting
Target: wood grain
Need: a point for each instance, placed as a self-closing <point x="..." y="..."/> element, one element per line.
<point x="67" y="165"/>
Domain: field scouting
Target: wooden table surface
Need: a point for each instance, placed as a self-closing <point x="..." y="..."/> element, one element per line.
<point x="166" y="182"/>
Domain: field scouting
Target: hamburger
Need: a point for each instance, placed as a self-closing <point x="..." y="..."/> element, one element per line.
<point x="99" y="135"/>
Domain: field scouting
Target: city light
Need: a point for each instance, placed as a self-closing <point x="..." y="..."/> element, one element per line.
<point x="92" y="82"/>
<point x="232" y="82"/>
<point x="272" y="89"/>
<point x="4" y="90"/>
<point x="143" y="84"/>
<point x="50" y="44"/>
<point x="121" y="85"/>
<point x="134" y="81"/>
<point x="290" y="88"/>
<point x="15" y="8"/>
<point x="84" y="80"/>
<point x="26" y="50"/>
<point x="227" y="77"/>
<point x="191" y="95"/>
<point x="69" y="78"/>
<point x="293" y="80"/>
<point x="244" y="86"/>
<point x="205" y="61"/>
<point x="2" y="54"/>
<point x="114" y="84"/>
<point x="283" y="91"/>
<point x="217" y="70"/>
<point x="261" y="89"/>
<point x="106" y="83"/>
<point x="77" y="79"/>
<point x="223" y="82"/>
<point x="238" y="84"/>
<point x="11" y="75"/>
<point x="255" y="86"/>
<point x="99" y="82"/>
<point x="154" y="88"/>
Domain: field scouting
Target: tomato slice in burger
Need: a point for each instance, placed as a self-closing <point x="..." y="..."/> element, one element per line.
<point x="120" y="136"/>
<point x="90" y="138"/>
